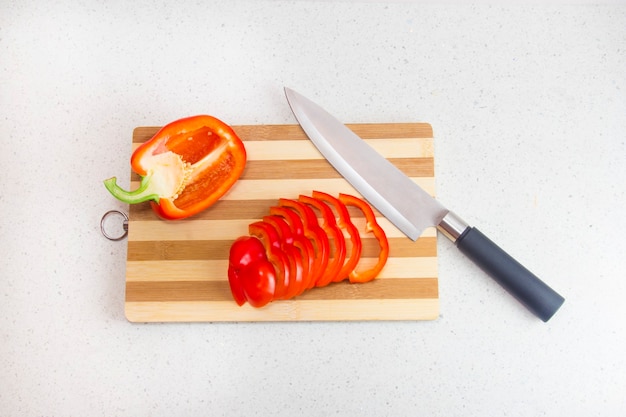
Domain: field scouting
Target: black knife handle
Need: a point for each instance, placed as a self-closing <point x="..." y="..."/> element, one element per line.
<point x="539" y="298"/>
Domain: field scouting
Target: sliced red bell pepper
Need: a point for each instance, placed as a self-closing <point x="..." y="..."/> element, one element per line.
<point x="279" y="261"/>
<point x="371" y="226"/>
<point x="244" y="252"/>
<point x="185" y="167"/>
<point x="316" y="235"/>
<point x="336" y="256"/>
<point x="251" y="276"/>
<point x="298" y="254"/>
<point x="273" y="250"/>
<point x="299" y="230"/>
<point x="344" y="223"/>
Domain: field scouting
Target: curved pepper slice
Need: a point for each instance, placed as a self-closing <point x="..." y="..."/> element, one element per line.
<point x="297" y="261"/>
<point x="246" y="251"/>
<point x="344" y="223"/>
<point x="266" y="233"/>
<point x="299" y="239"/>
<point x="185" y="167"/>
<point x="336" y="259"/>
<point x="370" y="226"/>
<point x="316" y="236"/>
<point x="251" y="275"/>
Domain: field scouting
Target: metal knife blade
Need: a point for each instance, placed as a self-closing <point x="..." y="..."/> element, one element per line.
<point x="411" y="208"/>
<point x="393" y="194"/>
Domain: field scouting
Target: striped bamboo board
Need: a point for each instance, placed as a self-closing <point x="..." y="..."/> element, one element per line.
<point x="177" y="270"/>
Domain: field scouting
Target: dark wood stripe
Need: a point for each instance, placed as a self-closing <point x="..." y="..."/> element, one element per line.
<point x="270" y="132"/>
<point x="143" y="133"/>
<point x="219" y="249"/>
<point x="396" y="288"/>
<point x="178" y="250"/>
<point x="295" y="132"/>
<point x="392" y="130"/>
<point x="226" y="210"/>
<point x="391" y="288"/>
<point x="221" y="210"/>
<point x="365" y="131"/>
<point x="320" y="168"/>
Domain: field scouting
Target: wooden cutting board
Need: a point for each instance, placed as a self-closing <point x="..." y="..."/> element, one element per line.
<point x="176" y="271"/>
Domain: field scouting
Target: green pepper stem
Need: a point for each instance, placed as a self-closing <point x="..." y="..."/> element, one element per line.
<point x="141" y="194"/>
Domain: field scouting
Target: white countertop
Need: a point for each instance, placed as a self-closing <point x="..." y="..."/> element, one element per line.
<point x="528" y="107"/>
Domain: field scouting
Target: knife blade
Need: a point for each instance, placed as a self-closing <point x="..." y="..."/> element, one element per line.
<point x="411" y="209"/>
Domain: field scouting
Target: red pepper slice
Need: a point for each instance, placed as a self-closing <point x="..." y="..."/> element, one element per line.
<point x="300" y="240"/>
<point x="251" y="276"/>
<point x="316" y="235"/>
<point x="344" y="223"/>
<point x="259" y="283"/>
<point x="273" y="250"/>
<point x="337" y="257"/>
<point x="246" y="251"/>
<point x="185" y="167"/>
<point x="293" y="261"/>
<point x="373" y="227"/>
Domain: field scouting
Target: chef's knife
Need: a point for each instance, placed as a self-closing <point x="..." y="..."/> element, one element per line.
<point x="412" y="209"/>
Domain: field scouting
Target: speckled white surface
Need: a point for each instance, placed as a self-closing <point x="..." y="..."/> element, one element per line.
<point x="528" y="106"/>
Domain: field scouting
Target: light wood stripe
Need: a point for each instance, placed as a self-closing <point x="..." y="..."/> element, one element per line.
<point x="257" y="189"/>
<point x="235" y="210"/>
<point x="189" y="230"/>
<point x="214" y="270"/>
<point x="228" y="229"/>
<point x="298" y="150"/>
<point x="219" y="249"/>
<point x="275" y="189"/>
<point x="292" y="310"/>
<point x="295" y="150"/>
<point x="318" y="168"/>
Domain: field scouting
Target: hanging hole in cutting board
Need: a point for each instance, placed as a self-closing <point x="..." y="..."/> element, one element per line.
<point x="108" y="219"/>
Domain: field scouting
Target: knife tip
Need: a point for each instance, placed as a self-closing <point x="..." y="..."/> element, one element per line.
<point x="289" y="93"/>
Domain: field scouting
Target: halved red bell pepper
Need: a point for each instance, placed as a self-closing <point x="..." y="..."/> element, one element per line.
<point x="370" y="226"/>
<point x="185" y="167"/>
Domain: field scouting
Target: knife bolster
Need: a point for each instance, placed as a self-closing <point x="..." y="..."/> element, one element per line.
<point x="452" y="226"/>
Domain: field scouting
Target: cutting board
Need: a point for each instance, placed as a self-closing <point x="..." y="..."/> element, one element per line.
<point x="176" y="271"/>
